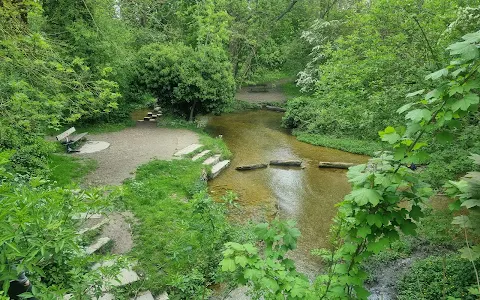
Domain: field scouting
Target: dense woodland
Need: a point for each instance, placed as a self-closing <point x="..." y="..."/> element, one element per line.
<point x="401" y="77"/>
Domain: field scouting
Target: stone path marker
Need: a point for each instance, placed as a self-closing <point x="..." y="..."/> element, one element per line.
<point x="107" y="296"/>
<point x="144" y="296"/>
<point x="217" y="168"/>
<point x="212" y="160"/>
<point x="200" y="155"/>
<point x="86" y="216"/>
<point x="163" y="296"/>
<point x="95" y="227"/>
<point x="97" y="245"/>
<point x="187" y="150"/>
<point x="126" y="276"/>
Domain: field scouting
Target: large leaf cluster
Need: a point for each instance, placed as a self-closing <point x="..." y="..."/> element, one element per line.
<point x="183" y="78"/>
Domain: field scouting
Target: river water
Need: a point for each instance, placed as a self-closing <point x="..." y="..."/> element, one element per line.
<point x="306" y="195"/>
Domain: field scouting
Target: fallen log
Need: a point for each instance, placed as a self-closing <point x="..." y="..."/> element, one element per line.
<point x="251" y="167"/>
<point x="336" y="165"/>
<point x="287" y="163"/>
<point x="275" y="108"/>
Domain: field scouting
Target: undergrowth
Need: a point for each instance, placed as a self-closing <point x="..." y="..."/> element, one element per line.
<point x="181" y="231"/>
<point x="66" y="169"/>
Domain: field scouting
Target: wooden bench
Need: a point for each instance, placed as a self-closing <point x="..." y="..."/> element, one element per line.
<point x="68" y="139"/>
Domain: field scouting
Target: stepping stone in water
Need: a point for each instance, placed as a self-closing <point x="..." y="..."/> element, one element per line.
<point x="212" y="160"/>
<point x="86" y="216"/>
<point x="144" y="296"/>
<point x="97" y="245"/>
<point x="188" y="150"/>
<point x="200" y="155"/>
<point x="219" y="167"/>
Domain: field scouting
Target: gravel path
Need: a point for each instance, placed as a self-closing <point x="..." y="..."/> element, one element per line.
<point x="132" y="147"/>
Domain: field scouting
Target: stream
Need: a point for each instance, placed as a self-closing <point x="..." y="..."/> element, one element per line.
<point x="307" y="195"/>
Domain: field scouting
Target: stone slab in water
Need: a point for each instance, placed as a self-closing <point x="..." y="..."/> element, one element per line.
<point x="287" y="163"/>
<point x="336" y="165"/>
<point x="97" y="245"/>
<point x="212" y="160"/>
<point x="144" y="296"/>
<point x="200" y="155"/>
<point x="251" y="167"/>
<point x="219" y="167"/>
<point x="188" y="150"/>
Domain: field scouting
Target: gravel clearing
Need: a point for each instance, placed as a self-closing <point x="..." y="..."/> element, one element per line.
<point x="132" y="147"/>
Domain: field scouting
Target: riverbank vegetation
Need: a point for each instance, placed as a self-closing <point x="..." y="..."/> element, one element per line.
<point x="404" y="70"/>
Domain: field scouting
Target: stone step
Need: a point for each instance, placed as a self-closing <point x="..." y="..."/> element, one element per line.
<point x="163" y="296"/>
<point x="212" y="160"/>
<point x="126" y="276"/>
<point x="95" y="227"/>
<point x="144" y="296"/>
<point x="219" y="167"/>
<point x="187" y="150"/>
<point x="86" y="216"/>
<point x="97" y="245"/>
<point x="200" y="155"/>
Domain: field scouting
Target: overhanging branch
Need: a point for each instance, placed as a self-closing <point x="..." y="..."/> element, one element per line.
<point x="289" y="8"/>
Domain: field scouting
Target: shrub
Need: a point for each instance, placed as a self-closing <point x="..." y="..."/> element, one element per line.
<point x="187" y="80"/>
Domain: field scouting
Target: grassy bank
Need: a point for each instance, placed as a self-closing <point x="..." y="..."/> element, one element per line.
<point x="65" y="169"/>
<point x="181" y="231"/>
<point x="345" y="144"/>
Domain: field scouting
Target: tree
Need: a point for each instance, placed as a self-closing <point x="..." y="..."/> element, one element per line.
<point x="188" y="81"/>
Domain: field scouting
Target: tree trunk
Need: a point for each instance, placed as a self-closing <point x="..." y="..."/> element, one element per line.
<point x="192" y="111"/>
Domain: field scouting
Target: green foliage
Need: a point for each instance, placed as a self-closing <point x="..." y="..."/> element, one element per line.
<point x="270" y="275"/>
<point x="438" y="278"/>
<point x="345" y="144"/>
<point x="181" y="231"/>
<point x="39" y="236"/>
<point x="65" y="170"/>
<point x="187" y="80"/>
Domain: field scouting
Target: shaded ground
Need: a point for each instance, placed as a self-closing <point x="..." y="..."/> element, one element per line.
<point x="273" y="93"/>
<point x="132" y="147"/>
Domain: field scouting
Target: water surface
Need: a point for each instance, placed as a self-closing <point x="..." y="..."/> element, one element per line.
<point x="306" y="195"/>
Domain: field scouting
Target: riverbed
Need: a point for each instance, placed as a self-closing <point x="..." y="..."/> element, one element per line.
<point x="307" y="195"/>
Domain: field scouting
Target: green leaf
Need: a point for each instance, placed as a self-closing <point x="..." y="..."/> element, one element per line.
<point x="379" y="245"/>
<point x="471" y="203"/>
<point x="437" y="74"/>
<point x="416" y="212"/>
<point x="419" y="92"/>
<point x="462" y="221"/>
<point x="270" y="284"/>
<point x="251" y="249"/>
<point x="228" y="265"/>
<point x="241" y="260"/>
<point x="361" y="292"/>
<point x="389" y="135"/>
<point x="363" y="231"/>
<point x="252" y="274"/>
<point x="465" y="50"/>
<point x="418" y="115"/>
<point x="471" y="254"/>
<point x="374" y="219"/>
<point x="444" y="137"/>
<point x="364" y="195"/>
<point x="465" y="103"/>
<point x="408" y="228"/>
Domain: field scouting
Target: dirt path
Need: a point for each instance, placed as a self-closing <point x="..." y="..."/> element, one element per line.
<point x="132" y="147"/>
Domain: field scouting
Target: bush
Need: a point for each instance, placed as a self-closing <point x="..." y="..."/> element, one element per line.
<point x="437" y="278"/>
<point x="186" y="80"/>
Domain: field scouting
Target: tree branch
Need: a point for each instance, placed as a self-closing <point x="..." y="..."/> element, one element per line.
<point x="289" y="8"/>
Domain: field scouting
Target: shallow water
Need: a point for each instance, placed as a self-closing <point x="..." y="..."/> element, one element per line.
<point x="306" y="195"/>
